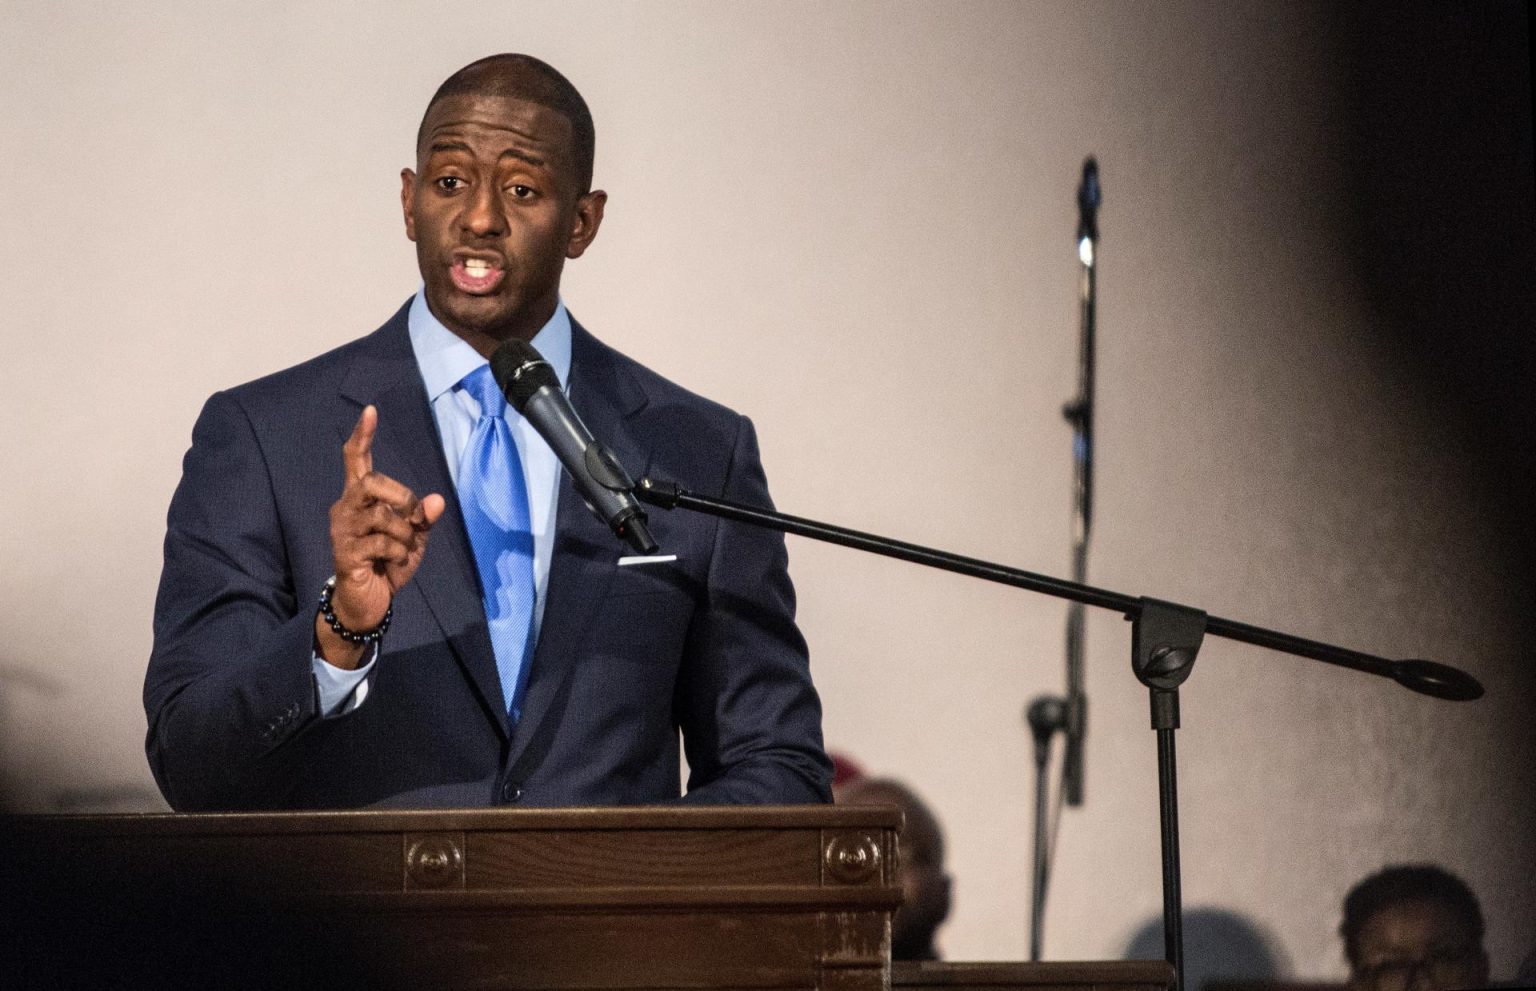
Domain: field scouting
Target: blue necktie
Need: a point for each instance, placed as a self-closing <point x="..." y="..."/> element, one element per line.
<point x="494" y="498"/>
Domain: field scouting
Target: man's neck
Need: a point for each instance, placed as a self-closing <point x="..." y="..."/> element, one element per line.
<point x="485" y="341"/>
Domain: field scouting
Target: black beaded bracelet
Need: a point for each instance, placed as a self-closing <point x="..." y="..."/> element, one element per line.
<point x="350" y="636"/>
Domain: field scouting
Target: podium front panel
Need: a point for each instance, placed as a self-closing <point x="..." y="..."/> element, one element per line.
<point x="777" y="897"/>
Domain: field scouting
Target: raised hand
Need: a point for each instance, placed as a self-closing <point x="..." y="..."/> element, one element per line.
<point x="379" y="532"/>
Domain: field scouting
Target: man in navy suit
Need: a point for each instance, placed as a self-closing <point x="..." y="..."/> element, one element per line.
<point x="345" y="474"/>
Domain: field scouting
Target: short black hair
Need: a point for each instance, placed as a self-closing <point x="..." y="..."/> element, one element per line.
<point x="1401" y="883"/>
<point x="525" y="78"/>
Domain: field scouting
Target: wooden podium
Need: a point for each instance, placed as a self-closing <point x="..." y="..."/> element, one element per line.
<point x="531" y="899"/>
<point x="612" y="898"/>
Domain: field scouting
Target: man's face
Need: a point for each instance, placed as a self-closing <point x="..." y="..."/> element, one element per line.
<point x="1417" y="946"/>
<point x="495" y="209"/>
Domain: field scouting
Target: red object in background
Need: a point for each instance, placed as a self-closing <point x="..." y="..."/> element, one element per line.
<point x="845" y="770"/>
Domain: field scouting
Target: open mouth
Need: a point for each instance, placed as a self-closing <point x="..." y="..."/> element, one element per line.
<point x="476" y="276"/>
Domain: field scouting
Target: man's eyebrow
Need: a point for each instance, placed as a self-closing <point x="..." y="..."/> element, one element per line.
<point x="523" y="156"/>
<point x="438" y="146"/>
<point x="447" y="145"/>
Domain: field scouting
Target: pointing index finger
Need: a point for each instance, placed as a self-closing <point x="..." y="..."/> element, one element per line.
<point x="357" y="452"/>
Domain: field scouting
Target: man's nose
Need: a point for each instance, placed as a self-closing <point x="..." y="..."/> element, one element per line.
<point x="483" y="215"/>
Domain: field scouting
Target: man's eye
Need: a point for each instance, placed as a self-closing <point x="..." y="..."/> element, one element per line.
<point x="522" y="192"/>
<point x="449" y="182"/>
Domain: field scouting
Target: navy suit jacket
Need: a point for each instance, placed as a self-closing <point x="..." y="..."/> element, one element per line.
<point x="626" y="656"/>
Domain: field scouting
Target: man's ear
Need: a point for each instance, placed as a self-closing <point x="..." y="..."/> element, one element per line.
<point x="407" y="193"/>
<point x="585" y="222"/>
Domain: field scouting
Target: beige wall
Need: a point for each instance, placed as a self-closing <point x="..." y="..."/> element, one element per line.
<point x="854" y="223"/>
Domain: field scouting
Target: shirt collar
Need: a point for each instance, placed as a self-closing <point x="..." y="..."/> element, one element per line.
<point x="445" y="358"/>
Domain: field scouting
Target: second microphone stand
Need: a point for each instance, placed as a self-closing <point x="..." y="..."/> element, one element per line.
<point x="1050" y="715"/>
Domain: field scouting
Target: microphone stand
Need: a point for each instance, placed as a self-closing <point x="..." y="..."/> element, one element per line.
<point x="1165" y="638"/>
<point x="1079" y="413"/>
<point x="1048" y="714"/>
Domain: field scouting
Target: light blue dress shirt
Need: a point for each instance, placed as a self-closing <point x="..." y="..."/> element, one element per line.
<point x="444" y="359"/>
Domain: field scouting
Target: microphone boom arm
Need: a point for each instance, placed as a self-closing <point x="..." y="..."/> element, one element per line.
<point x="1425" y="677"/>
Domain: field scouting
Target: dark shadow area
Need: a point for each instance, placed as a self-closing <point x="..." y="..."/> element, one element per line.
<point x="19" y="684"/>
<point x="1445" y="194"/>
<point x="84" y="915"/>
<point x="1220" y="946"/>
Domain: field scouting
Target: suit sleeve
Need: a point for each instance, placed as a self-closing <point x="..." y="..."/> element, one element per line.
<point x="229" y="692"/>
<point x="750" y="717"/>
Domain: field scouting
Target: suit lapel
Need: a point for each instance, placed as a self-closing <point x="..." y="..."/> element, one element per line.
<point x="605" y="397"/>
<point x="407" y="448"/>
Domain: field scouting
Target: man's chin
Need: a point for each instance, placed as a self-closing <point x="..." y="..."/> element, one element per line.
<point x="467" y="314"/>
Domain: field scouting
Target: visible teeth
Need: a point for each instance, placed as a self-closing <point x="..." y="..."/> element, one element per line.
<point x="476" y="267"/>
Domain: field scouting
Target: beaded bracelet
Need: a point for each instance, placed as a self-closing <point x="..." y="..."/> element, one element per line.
<point x="351" y="636"/>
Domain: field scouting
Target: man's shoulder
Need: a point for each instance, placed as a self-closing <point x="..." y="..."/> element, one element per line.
<point x="324" y="373"/>
<point x="657" y="389"/>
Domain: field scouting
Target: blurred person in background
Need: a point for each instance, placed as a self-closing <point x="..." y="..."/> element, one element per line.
<point x="925" y="886"/>
<point x="1413" y="927"/>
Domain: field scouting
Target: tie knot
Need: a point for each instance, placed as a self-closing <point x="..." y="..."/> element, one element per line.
<point x="482" y="385"/>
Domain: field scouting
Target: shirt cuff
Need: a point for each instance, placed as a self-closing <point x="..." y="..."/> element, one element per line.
<point x="341" y="691"/>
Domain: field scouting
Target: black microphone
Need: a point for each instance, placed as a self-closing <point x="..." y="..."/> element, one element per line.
<point x="1088" y="198"/>
<point x="1045" y="715"/>
<point x="533" y="389"/>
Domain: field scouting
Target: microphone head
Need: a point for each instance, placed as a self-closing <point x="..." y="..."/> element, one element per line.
<point x="520" y="371"/>
<point x="1088" y="197"/>
<point x="1046" y="714"/>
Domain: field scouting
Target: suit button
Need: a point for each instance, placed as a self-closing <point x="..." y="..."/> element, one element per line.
<point x="510" y="792"/>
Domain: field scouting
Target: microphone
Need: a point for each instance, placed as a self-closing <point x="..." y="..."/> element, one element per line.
<point x="1088" y="198"/>
<point x="1045" y="715"/>
<point x="533" y="389"/>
